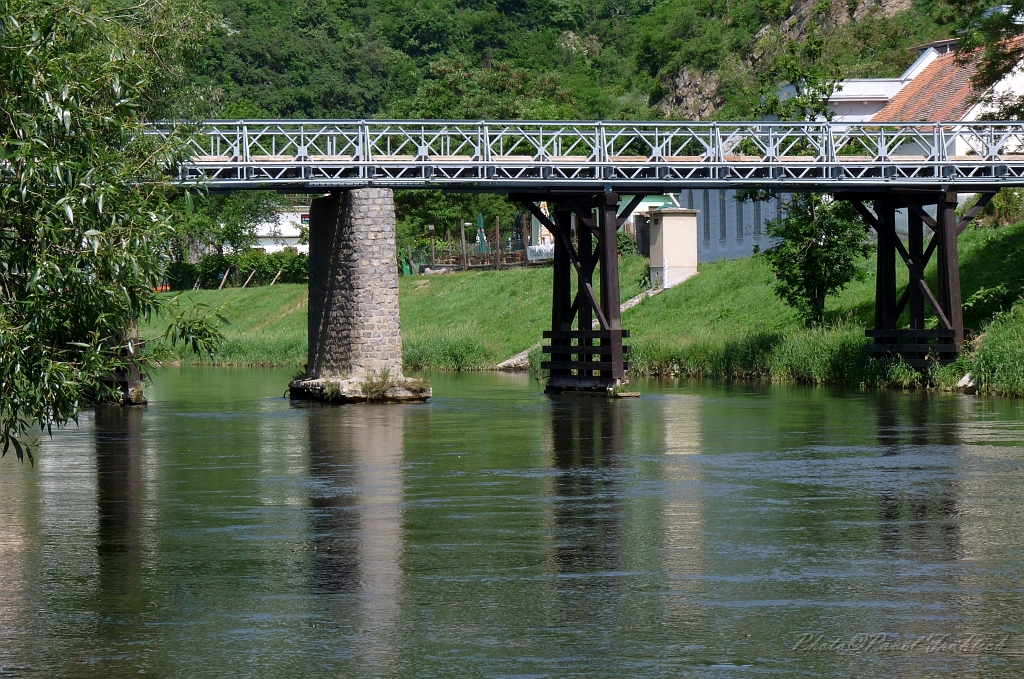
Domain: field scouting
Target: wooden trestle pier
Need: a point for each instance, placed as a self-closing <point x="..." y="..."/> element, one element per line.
<point x="918" y="345"/>
<point x="584" y="358"/>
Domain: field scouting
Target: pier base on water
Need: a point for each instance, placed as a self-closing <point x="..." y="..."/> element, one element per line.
<point x="355" y="338"/>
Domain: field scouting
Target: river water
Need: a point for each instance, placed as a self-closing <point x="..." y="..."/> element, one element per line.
<point x="701" y="530"/>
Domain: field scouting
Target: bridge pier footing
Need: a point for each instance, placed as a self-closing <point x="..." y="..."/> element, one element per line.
<point x="355" y="339"/>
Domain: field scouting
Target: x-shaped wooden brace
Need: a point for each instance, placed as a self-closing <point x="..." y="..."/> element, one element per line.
<point x="888" y="232"/>
<point x="582" y="272"/>
<point x="961" y="226"/>
<point x="585" y="288"/>
<point x="929" y="221"/>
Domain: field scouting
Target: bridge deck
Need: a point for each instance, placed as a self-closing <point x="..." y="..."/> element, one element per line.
<point x="642" y="157"/>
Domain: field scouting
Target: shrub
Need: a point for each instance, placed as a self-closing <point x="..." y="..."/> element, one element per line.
<point x="445" y="352"/>
<point x="626" y="244"/>
<point x="264" y="267"/>
<point x="999" y="359"/>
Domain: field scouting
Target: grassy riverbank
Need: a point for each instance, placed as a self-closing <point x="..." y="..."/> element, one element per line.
<point x="466" y="321"/>
<point x="724" y="323"/>
<point x="728" y="323"/>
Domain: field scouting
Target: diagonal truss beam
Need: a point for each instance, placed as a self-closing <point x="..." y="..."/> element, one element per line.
<point x="975" y="210"/>
<point x="916" y="207"/>
<point x="561" y="234"/>
<point x="889" y="234"/>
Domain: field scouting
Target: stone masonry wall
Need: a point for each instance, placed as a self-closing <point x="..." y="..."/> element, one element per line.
<point x="353" y="285"/>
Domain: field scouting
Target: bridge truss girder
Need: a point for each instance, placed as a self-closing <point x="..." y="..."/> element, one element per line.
<point x="628" y="157"/>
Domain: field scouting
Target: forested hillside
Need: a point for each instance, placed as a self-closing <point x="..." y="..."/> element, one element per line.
<point x="695" y="59"/>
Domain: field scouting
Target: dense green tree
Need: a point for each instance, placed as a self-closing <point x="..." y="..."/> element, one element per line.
<point x="454" y="89"/>
<point x="992" y="35"/>
<point x="221" y="222"/>
<point x="83" y="196"/>
<point x="607" y="58"/>
<point x="819" y="243"/>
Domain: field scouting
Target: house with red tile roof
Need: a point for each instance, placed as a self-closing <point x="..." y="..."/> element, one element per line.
<point x="935" y="88"/>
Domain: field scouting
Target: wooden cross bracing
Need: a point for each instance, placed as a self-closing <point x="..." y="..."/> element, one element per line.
<point x="597" y="365"/>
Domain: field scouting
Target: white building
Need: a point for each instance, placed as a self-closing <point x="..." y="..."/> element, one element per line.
<point x="286" y="232"/>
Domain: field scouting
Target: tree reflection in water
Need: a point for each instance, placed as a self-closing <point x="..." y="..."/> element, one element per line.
<point x="119" y="490"/>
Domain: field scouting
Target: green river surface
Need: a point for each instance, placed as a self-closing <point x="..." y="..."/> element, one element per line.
<point x="700" y="530"/>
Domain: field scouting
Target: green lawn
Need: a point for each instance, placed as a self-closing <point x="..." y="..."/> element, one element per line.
<point x="459" y="320"/>
<point x="724" y="322"/>
<point x="267" y="326"/>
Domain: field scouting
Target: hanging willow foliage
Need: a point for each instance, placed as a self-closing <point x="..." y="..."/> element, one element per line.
<point x="83" y="193"/>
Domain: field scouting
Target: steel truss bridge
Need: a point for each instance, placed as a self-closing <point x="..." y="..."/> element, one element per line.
<point x="581" y="169"/>
<point x="628" y="157"/>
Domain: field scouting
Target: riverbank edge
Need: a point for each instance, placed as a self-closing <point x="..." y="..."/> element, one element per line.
<point x="814" y="357"/>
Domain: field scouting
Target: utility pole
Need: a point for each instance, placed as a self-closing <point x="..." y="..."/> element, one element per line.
<point x="497" y="243"/>
<point x="464" y="262"/>
<point x="433" y="262"/>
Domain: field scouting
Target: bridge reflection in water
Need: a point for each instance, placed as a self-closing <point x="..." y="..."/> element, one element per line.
<point x="356" y="457"/>
<point x="495" y="531"/>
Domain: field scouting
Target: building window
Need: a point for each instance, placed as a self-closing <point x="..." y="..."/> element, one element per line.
<point x="757" y="219"/>
<point x="705" y="216"/>
<point x="739" y="219"/>
<point x="689" y="198"/>
<point x="723" y="226"/>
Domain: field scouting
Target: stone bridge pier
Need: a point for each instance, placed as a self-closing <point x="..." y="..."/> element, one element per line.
<point x="355" y="337"/>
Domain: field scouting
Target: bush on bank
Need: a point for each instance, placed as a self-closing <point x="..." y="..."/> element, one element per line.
<point x="997" y="362"/>
<point x="264" y="267"/>
<point x="835" y="356"/>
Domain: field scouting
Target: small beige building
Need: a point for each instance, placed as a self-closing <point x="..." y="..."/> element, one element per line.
<point x="673" y="246"/>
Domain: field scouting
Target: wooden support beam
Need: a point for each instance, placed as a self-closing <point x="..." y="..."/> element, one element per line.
<point x="949" y="265"/>
<point x="914" y="206"/>
<point x="584" y="238"/>
<point x="915" y="239"/>
<point x="610" y="300"/>
<point x="885" y="279"/>
<point x="975" y="210"/>
<point x="562" y="312"/>
<point x="562" y="235"/>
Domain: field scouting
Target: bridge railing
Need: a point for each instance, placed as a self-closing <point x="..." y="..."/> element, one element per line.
<point x="411" y="151"/>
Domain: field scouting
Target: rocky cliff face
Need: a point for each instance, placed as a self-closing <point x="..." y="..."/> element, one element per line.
<point x="693" y="95"/>
<point x="838" y="12"/>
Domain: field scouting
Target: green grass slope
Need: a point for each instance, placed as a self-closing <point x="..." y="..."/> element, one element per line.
<point x="724" y="322"/>
<point x="266" y="326"/>
<point x="462" y="320"/>
<point x="727" y="322"/>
